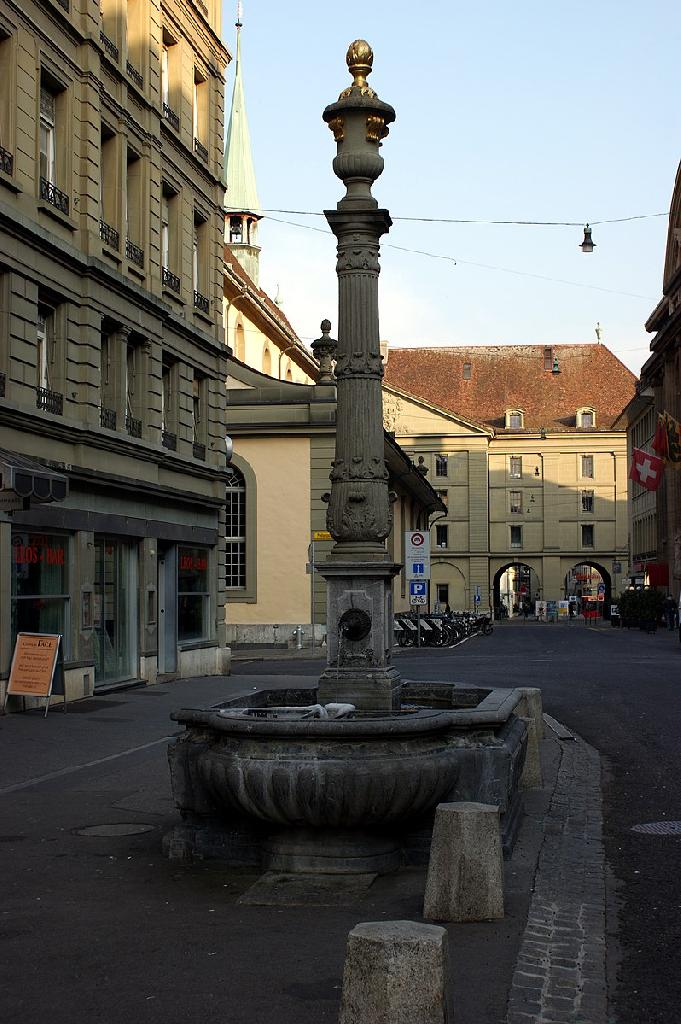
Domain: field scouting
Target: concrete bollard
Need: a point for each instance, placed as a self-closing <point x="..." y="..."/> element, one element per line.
<point x="395" y="973"/>
<point x="465" y="872"/>
<point x="530" y="708"/>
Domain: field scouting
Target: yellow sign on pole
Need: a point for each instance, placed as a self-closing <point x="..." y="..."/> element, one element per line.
<point x="321" y="535"/>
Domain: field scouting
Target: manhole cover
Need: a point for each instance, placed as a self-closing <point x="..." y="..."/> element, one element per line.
<point x="123" y="828"/>
<point x="659" y="828"/>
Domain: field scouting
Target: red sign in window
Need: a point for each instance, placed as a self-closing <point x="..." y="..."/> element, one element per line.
<point x="32" y="554"/>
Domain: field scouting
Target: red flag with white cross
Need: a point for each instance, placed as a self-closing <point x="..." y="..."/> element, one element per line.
<point x="646" y="469"/>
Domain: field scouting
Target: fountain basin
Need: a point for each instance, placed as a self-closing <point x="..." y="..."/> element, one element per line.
<point x="326" y="795"/>
<point x="351" y="795"/>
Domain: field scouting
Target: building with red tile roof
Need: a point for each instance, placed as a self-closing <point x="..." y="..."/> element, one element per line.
<point x="521" y="445"/>
<point x="547" y="383"/>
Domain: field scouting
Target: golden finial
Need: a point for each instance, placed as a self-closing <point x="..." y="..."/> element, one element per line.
<point x="360" y="59"/>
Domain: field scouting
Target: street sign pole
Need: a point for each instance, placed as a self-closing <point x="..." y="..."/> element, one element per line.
<point x="418" y="625"/>
<point x="312" y="591"/>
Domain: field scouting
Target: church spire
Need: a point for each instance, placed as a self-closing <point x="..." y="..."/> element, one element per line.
<point x="241" y="198"/>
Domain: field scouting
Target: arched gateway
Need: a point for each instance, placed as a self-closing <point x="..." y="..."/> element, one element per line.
<point x="515" y="584"/>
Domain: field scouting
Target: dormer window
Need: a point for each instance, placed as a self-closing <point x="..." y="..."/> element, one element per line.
<point x="466" y="371"/>
<point x="586" y="418"/>
<point x="514" y="419"/>
<point x="548" y="358"/>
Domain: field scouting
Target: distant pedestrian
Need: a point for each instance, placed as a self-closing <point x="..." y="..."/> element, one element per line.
<point x="669" y="609"/>
<point x="526" y="610"/>
<point x="571" y="609"/>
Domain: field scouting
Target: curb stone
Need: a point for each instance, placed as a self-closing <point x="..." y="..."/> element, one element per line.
<point x="560" y="973"/>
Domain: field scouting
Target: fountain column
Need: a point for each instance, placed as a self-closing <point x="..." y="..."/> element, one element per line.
<point x="359" y="572"/>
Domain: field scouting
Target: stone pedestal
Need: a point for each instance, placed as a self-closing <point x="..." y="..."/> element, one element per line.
<point x="395" y="973"/>
<point x="465" y="873"/>
<point x="360" y="636"/>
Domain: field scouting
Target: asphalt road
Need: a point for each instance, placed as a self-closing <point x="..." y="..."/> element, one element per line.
<point x="621" y="691"/>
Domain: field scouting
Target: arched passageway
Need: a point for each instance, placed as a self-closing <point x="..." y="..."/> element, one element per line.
<point x="515" y="585"/>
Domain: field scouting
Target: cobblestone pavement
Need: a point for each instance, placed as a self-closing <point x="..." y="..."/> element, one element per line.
<point x="560" y="974"/>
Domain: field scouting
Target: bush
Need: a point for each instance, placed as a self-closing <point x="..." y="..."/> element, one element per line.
<point x="641" y="608"/>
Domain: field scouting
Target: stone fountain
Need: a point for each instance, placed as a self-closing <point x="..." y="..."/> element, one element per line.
<point x="349" y="784"/>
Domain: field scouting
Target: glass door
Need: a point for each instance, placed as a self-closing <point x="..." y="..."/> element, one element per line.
<point x="115" y="618"/>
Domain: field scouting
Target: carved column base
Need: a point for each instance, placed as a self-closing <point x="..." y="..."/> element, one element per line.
<point x="360" y="636"/>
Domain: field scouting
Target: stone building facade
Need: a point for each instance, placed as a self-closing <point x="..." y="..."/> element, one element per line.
<point x="661" y="375"/>
<point x="112" y="356"/>
<point x="520" y="445"/>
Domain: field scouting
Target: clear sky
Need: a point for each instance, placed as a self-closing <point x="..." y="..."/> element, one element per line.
<point x="563" y="111"/>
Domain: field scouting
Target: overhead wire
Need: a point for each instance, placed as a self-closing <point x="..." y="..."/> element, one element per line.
<point x="484" y="266"/>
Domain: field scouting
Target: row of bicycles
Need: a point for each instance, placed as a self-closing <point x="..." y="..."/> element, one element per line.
<point x="439" y="630"/>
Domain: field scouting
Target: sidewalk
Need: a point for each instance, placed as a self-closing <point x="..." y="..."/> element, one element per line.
<point x="101" y="928"/>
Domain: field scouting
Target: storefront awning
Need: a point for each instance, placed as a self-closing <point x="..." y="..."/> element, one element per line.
<point x="29" y="479"/>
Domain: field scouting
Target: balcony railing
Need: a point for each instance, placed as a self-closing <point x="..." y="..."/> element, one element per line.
<point x="107" y="418"/>
<point x="199" y="451"/>
<point x="109" y="235"/>
<point x="134" y="253"/>
<point x="201" y="150"/>
<point x="2" y="385"/>
<point x="171" y="117"/>
<point x="133" y="426"/>
<point x="169" y="440"/>
<point x="201" y="302"/>
<point x="109" y="45"/>
<point x="136" y="75"/>
<point x="50" y="401"/>
<point x="170" y="280"/>
<point x="6" y="161"/>
<point x="51" y="194"/>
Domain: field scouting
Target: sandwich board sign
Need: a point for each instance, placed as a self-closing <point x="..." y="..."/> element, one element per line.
<point x="417" y="554"/>
<point x="37" y="668"/>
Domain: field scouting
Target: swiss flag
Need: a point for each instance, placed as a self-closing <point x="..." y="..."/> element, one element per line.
<point x="646" y="469"/>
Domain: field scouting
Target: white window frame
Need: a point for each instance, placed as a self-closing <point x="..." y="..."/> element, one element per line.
<point x="583" y="464"/>
<point x="513" y="460"/>
<point x="512" y="502"/>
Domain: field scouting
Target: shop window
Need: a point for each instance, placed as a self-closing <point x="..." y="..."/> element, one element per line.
<point x="516" y="536"/>
<point x="441" y="463"/>
<point x="236" y="531"/>
<point x="516" y="467"/>
<point x="40" y="599"/>
<point x="192" y="594"/>
<point x="442" y="536"/>
<point x="588" y="467"/>
<point x="587" y="501"/>
<point x="587" y="536"/>
<point x="516" y="500"/>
